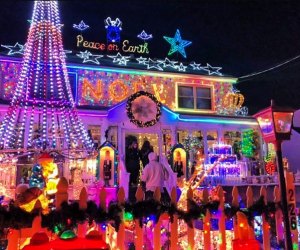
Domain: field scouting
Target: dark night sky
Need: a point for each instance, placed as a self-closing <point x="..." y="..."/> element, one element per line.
<point x="240" y="36"/>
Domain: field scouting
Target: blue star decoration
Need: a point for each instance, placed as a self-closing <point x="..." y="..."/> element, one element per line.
<point x="212" y="70"/>
<point x="86" y="57"/>
<point x="177" y="44"/>
<point x="121" y="60"/>
<point x="16" y="49"/>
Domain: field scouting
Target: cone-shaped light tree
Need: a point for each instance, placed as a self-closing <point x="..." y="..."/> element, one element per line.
<point x="42" y="112"/>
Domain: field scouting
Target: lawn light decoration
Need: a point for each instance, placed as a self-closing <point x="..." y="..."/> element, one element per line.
<point x="144" y="36"/>
<point x="143" y="109"/>
<point x="43" y="93"/>
<point x="113" y="29"/>
<point x="50" y="173"/>
<point x="16" y="49"/>
<point x="177" y="44"/>
<point x="108" y="164"/>
<point x="81" y="26"/>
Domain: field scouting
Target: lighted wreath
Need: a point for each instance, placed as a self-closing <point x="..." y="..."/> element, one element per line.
<point x="143" y="109"/>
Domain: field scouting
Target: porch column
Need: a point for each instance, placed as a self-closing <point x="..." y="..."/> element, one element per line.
<point x="205" y="145"/>
<point x="173" y="136"/>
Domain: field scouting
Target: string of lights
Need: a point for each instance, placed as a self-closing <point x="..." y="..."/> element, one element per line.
<point x="245" y="77"/>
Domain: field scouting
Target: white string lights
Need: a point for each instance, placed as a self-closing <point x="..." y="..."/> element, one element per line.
<point x="43" y="94"/>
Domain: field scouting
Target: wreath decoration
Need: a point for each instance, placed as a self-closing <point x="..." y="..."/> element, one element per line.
<point x="143" y="109"/>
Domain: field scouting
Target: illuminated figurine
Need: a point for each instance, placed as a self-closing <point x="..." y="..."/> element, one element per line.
<point x="178" y="165"/>
<point x="107" y="165"/>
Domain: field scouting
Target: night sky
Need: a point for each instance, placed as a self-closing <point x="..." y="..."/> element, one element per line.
<point x="241" y="36"/>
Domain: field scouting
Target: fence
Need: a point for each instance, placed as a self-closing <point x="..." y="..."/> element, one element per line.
<point x="241" y="228"/>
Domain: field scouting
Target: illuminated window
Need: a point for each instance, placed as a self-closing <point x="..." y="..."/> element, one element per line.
<point x="198" y="98"/>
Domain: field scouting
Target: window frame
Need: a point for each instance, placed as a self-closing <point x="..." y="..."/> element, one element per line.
<point x="194" y="87"/>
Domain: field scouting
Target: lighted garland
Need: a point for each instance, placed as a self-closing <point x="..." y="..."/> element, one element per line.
<point x="70" y="215"/>
<point x="130" y="111"/>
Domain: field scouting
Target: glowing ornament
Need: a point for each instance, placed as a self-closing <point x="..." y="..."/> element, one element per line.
<point x="81" y="26"/>
<point x="177" y="44"/>
<point x="128" y="216"/>
<point x="67" y="235"/>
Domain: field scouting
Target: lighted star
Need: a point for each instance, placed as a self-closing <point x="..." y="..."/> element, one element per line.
<point x="121" y="60"/>
<point x="168" y="63"/>
<point x="81" y="26"/>
<point x="177" y="44"/>
<point x="86" y="57"/>
<point x="181" y="67"/>
<point x="16" y="49"/>
<point x="142" y="60"/>
<point x="195" y="66"/>
<point x="212" y="70"/>
<point x="151" y="64"/>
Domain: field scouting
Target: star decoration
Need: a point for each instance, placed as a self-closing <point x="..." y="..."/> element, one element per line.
<point x="144" y="36"/>
<point x="16" y="49"/>
<point x="121" y="60"/>
<point x="196" y="66"/>
<point x="142" y="60"/>
<point x="168" y="63"/>
<point x="177" y="44"/>
<point x="151" y="64"/>
<point x="181" y="67"/>
<point x="81" y="26"/>
<point x="86" y="57"/>
<point x="212" y="70"/>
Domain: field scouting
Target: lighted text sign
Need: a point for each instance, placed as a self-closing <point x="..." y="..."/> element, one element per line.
<point x="125" y="47"/>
